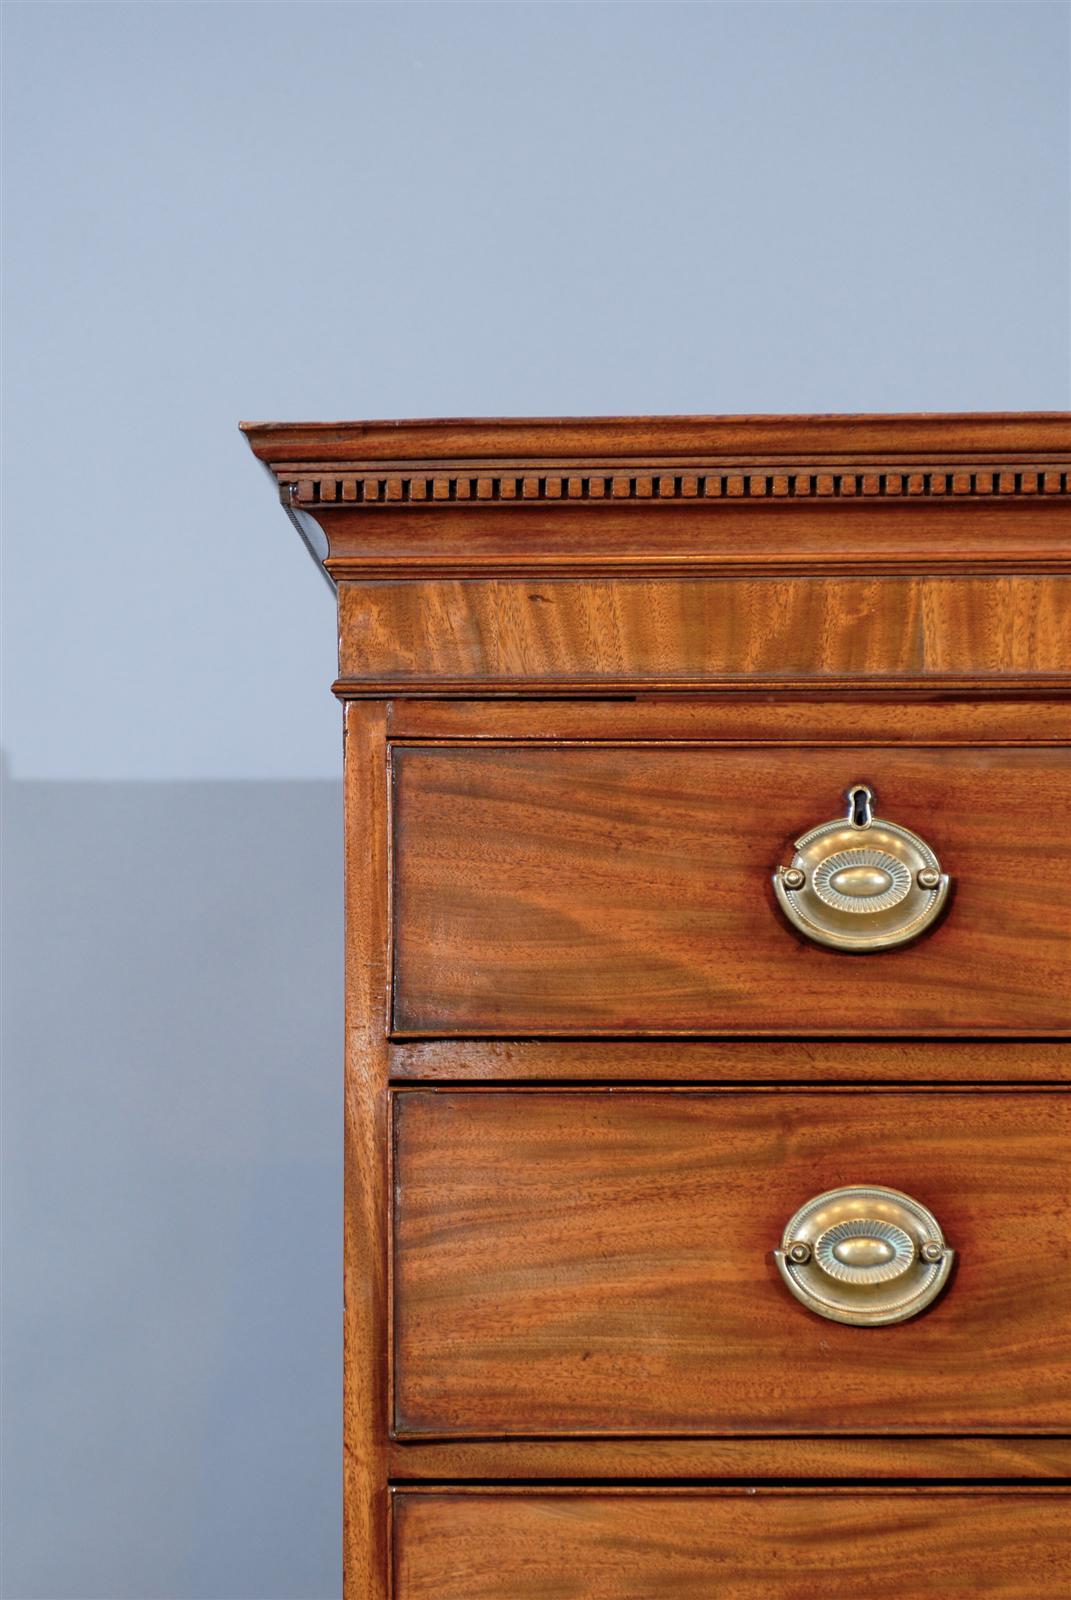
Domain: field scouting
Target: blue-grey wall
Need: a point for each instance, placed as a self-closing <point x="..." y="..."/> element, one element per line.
<point x="290" y="210"/>
<point x="172" y="1176"/>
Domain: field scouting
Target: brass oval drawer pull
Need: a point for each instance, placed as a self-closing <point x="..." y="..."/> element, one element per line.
<point x="860" y="883"/>
<point x="864" y="1255"/>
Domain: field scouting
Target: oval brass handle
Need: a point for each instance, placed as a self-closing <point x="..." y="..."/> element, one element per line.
<point x="860" y="883"/>
<point x="864" y="1255"/>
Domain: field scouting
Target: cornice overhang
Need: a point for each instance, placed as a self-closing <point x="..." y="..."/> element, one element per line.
<point x="959" y="435"/>
<point x="677" y="494"/>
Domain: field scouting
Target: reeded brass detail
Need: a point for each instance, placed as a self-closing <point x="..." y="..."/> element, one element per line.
<point x="860" y="883"/>
<point x="864" y="1255"/>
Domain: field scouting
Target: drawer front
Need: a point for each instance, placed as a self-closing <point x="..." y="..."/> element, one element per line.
<point x="765" y="1545"/>
<point x="599" y="1262"/>
<point x="590" y="889"/>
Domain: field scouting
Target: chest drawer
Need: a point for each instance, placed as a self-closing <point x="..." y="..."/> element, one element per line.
<point x="611" y="888"/>
<point x="737" y="1545"/>
<point x="600" y="1262"/>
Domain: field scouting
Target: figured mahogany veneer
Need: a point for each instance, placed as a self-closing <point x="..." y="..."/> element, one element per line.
<point x="831" y="1458"/>
<point x="765" y="1545"/>
<point x="626" y="889"/>
<point x="571" y="1263"/>
<point x="500" y="636"/>
<point x="599" y="674"/>
<point x="793" y="1061"/>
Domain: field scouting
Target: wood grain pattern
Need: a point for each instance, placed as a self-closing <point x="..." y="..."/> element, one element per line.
<point x="796" y="1061"/>
<point x="465" y="1460"/>
<point x="814" y="717"/>
<point x="599" y="1262"/>
<point x="753" y="1546"/>
<point x="574" y="889"/>
<point x="702" y="538"/>
<point x="365" y="1309"/>
<point x="511" y="632"/>
<point x="965" y="437"/>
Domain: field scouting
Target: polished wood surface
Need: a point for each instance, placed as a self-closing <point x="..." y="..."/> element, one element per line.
<point x="678" y="497"/>
<point x="792" y="1061"/>
<point x="876" y="718"/>
<point x="599" y="1262"/>
<point x="497" y="633"/>
<point x="890" y="438"/>
<point x="699" y="538"/>
<point x="744" y="1546"/>
<point x="601" y="672"/>
<point x="365" y="1403"/>
<point x="805" y="1456"/>
<point x="575" y="889"/>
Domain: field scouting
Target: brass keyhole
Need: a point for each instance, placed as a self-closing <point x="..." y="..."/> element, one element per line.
<point x="860" y="805"/>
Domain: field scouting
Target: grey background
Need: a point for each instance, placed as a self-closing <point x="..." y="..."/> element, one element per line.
<point x="300" y="210"/>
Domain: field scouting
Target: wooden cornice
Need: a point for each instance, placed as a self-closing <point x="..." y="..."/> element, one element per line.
<point x="665" y="460"/>
<point x="684" y="495"/>
<point x="915" y="555"/>
<point x="815" y="440"/>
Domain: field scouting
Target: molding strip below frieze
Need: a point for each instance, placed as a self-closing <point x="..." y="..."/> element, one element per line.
<point x="557" y="568"/>
<point x="740" y="686"/>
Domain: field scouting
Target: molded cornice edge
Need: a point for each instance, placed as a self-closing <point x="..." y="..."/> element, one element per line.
<point x="418" y="498"/>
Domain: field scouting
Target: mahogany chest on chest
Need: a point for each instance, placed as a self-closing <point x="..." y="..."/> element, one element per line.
<point x="708" y="965"/>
